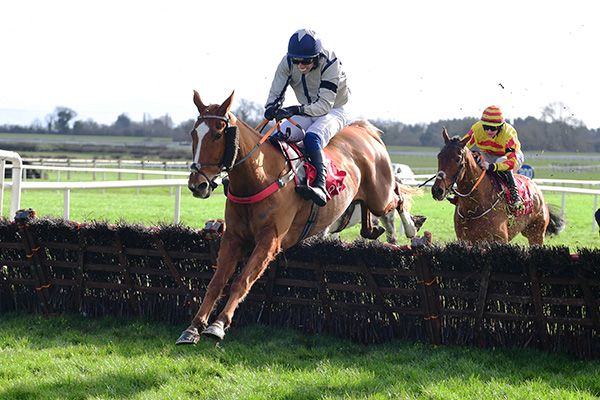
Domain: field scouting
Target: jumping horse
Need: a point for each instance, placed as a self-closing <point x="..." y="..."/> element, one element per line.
<point x="261" y="229"/>
<point x="481" y="213"/>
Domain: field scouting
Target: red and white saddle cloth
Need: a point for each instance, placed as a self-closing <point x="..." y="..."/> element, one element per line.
<point x="524" y="191"/>
<point x="334" y="182"/>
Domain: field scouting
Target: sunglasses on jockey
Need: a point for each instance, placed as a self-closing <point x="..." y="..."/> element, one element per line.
<point x="304" y="61"/>
<point x="491" y="128"/>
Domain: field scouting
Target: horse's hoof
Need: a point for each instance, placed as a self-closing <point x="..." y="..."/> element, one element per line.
<point x="418" y="220"/>
<point x="216" y="330"/>
<point x="374" y="233"/>
<point x="189" y="336"/>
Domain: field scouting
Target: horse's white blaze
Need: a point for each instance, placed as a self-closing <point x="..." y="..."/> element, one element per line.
<point x="201" y="131"/>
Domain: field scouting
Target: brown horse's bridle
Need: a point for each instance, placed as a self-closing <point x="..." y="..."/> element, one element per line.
<point x="462" y="163"/>
<point x="231" y="145"/>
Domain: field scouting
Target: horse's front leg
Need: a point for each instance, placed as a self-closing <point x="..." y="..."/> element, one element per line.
<point x="367" y="230"/>
<point x="267" y="246"/>
<point x="230" y="252"/>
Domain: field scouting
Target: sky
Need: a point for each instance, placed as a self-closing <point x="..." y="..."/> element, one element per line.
<point x="408" y="61"/>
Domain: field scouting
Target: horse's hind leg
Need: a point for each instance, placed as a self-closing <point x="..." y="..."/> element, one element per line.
<point x="390" y="229"/>
<point x="368" y="230"/>
<point x="535" y="231"/>
<point x="267" y="246"/>
<point x="230" y="253"/>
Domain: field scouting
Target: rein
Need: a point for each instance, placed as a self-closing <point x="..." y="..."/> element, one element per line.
<point x="473" y="188"/>
<point x="231" y="151"/>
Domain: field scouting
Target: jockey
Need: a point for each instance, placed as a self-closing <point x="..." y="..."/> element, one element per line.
<point x="319" y="83"/>
<point x="498" y="142"/>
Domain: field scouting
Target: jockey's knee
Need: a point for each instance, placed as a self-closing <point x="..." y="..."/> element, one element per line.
<point x="312" y="141"/>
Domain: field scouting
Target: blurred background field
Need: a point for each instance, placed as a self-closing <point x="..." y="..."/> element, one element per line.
<point x="155" y="206"/>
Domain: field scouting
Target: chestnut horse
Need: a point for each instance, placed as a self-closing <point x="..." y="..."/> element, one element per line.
<point x="481" y="214"/>
<point x="261" y="229"/>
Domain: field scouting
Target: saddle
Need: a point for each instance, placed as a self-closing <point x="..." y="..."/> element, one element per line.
<point x="305" y="172"/>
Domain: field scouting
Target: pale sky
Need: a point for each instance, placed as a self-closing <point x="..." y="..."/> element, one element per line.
<point x="409" y="61"/>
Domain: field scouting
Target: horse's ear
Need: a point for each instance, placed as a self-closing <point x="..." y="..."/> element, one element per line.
<point x="445" y="135"/>
<point x="464" y="141"/>
<point x="224" y="108"/>
<point x="199" y="105"/>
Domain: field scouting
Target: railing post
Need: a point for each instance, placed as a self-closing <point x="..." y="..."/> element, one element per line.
<point x="177" y="216"/>
<point x="67" y="204"/>
<point x="2" y="171"/>
<point x="17" y="166"/>
<point x="594" y="224"/>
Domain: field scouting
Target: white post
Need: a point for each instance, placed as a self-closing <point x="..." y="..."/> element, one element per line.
<point x="2" y="171"/>
<point x="17" y="166"/>
<point x="594" y="210"/>
<point x="177" y="205"/>
<point x="67" y="204"/>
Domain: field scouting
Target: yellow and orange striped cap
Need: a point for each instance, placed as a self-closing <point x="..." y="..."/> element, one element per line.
<point x="492" y="116"/>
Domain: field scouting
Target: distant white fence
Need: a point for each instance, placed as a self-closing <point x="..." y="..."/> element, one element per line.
<point x="16" y="166"/>
<point x="403" y="172"/>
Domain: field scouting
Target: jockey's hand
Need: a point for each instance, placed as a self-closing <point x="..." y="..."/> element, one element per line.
<point x="271" y="111"/>
<point x="491" y="167"/>
<point x="484" y="164"/>
<point x="287" y="112"/>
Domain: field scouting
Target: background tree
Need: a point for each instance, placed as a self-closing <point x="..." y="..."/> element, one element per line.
<point x="63" y="117"/>
<point x="559" y="112"/>
<point x="249" y="112"/>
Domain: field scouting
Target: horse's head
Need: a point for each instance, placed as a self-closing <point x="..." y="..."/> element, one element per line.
<point x="214" y="145"/>
<point x="451" y="163"/>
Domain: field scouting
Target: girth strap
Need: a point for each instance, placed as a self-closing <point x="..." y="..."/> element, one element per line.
<point x="263" y="194"/>
<point x="312" y="217"/>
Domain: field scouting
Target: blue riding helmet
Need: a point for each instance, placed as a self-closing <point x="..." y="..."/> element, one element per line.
<point x="304" y="44"/>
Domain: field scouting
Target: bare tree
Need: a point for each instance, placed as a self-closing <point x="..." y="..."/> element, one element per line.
<point x="559" y="112"/>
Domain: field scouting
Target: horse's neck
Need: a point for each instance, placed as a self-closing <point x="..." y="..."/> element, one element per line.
<point x="471" y="177"/>
<point x="261" y="164"/>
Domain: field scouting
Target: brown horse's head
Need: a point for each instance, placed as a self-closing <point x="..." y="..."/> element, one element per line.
<point x="214" y="146"/>
<point x="451" y="163"/>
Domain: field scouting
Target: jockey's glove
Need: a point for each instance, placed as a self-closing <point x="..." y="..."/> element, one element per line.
<point x="287" y="112"/>
<point x="271" y="111"/>
<point x="491" y="167"/>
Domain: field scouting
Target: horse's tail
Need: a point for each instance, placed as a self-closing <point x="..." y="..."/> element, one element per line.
<point x="557" y="221"/>
<point x="406" y="192"/>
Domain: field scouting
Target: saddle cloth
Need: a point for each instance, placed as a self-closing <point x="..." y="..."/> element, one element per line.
<point x="303" y="170"/>
<point x="524" y="191"/>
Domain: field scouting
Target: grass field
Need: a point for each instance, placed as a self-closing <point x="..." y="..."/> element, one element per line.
<point x="71" y="357"/>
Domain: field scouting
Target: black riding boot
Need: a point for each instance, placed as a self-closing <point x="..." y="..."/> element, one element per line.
<point x="316" y="192"/>
<point x="516" y="200"/>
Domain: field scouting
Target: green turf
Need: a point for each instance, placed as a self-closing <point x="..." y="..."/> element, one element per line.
<point x="71" y="357"/>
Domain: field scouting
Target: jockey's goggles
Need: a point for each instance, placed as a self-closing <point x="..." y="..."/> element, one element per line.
<point x="304" y="61"/>
<point x="491" y="128"/>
